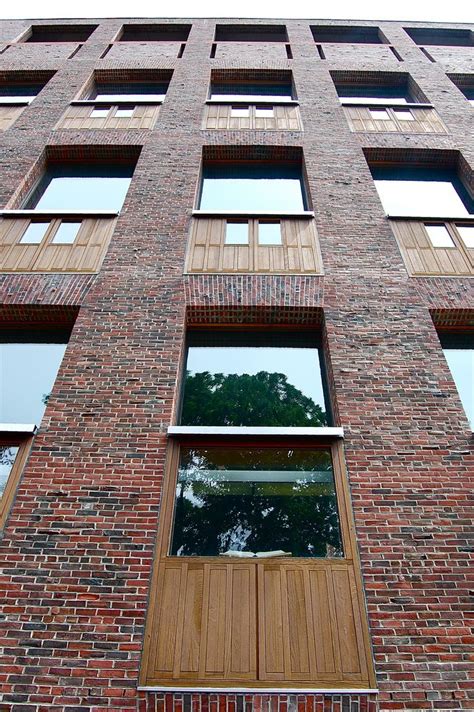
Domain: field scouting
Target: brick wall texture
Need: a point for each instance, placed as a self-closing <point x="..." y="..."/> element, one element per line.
<point x="78" y="546"/>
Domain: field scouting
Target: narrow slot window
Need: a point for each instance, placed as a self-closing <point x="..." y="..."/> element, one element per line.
<point x="34" y="233"/>
<point x="269" y="233"/>
<point x="439" y="236"/>
<point x="237" y="233"/>
<point x="66" y="233"/>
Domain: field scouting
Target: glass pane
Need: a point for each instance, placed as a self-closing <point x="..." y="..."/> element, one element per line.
<point x="255" y="383"/>
<point x="251" y="92"/>
<point x="379" y="114"/>
<point x="439" y="236"/>
<point x="27" y="375"/>
<point x="237" y="233"/>
<point x="467" y="234"/>
<point x="34" y="233"/>
<point x="421" y="193"/>
<point x="269" y="233"/>
<point x="75" y="188"/>
<point x="461" y="364"/>
<point x="364" y="94"/>
<point x="132" y="91"/>
<point x="100" y="112"/>
<point x="252" y="188"/>
<point x="66" y="233"/>
<point x="265" y="501"/>
<point x="8" y="454"/>
<point x="16" y="93"/>
<point x="241" y="112"/>
<point x="404" y="114"/>
<point x="124" y="112"/>
<point x="264" y="112"/>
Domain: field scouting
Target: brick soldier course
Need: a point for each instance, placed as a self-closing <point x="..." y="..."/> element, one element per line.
<point x="77" y="549"/>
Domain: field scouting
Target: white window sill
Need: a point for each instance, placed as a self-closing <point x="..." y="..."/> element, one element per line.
<point x="58" y="213"/>
<point x="253" y="213"/>
<point x="254" y="102"/>
<point x="210" y="430"/>
<point x="17" y="428"/>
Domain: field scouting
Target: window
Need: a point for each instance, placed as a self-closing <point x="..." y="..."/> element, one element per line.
<point x="154" y="33"/>
<point x="255" y="92"/>
<point x="129" y="92"/>
<point x="369" y="94"/>
<point x="459" y="353"/>
<point x="347" y="33"/>
<point x="59" y="33"/>
<point x="254" y="530"/>
<point x="252" y="187"/>
<point x="240" y="112"/>
<point x="422" y="192"/>
<point x="82" y="188"/>
<point x="237" y="233"/>
<point x="465" y="84"/>
<point x="440" y="36"/>
<point x="439" y="235"/>
<point x="269" y="233"/>
<point x="29" y="363"/>
<point x="251" y="33"/>
<point x="23" y="93"/>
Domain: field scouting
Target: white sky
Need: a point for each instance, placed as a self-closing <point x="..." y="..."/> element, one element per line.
<point x="408" y="10"/>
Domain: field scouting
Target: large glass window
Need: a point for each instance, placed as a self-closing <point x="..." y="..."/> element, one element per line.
<point x="459" y="353"/>
<point x="252" y="187"/>
<point x="128" y="92"/>
<point x="251" y="92"/>
<point x="19" y="93"/>
<point x="79" y="188"/>
<point x="28" y="369"/>
<point x="272" y="380"/>
<point x="422" y="193"/>
<point x="370" y="94"/>
<point x="264" y="502"/>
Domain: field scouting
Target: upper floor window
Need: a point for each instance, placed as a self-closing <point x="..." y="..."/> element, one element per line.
<point x="253" y="92"/>
<point x="252" y="187"/>
<point x="154" y="33"/>
<point x="440" y="36"/>
<point x="82" y="187"/>
<point x="465" y="83"/>
<point x="21" y="93"/>
<point x="352" y="34"/>
<point x="59" y="33"/>
<point x="251" y="33"/>
<point x="128" y="92"/>
<point x="423" y="192"/>
<point x="259" y="379"/>
<point x="459" y="353"/>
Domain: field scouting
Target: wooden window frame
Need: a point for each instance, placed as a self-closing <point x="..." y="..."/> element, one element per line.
<point x="24" y="442"/>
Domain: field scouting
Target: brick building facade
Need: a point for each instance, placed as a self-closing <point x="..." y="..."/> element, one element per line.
<point x="79" y="536"/>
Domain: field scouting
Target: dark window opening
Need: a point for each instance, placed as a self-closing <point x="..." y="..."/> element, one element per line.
<point x="440" y="36"/>
<point x="458" y="349"/>
<point x="251" y="91"/>
<point x="251" y="33"/>
<point x="129" y="91"/>
<point x="154" y="33"/>
<point x="348" y="34"/>
<point x="60" y="33"/>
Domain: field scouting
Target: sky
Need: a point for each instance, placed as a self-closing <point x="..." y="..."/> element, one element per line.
<point x="423" y="10"/>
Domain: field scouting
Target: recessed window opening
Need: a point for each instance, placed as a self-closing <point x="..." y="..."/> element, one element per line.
<point x="403" y="114"/>
<point x="66" y="233"/>
<point x="124" y="112"/>
<point x="252" y="187"/>
<point x="154" y="33"/>
<point x="467" y="235"/>
<point x="19" y="93"/>
<point x="82" y="187"/>
<point x="251" y="92"/>
<point x="440" y="36"/>
<point x="424" y="192"/>
<point x="129" y="91"/>
<point x="459" y="353"/>
<point x="264" y="112"/>
<point x="59" y="33"/>
<point x="379" y="114"/>
<point x="369" y="94"/>
<point x="251" y="33"/>
<point x="238" y="112"/>
<point x="100" y="112"/>
<point x="351" y="34"/>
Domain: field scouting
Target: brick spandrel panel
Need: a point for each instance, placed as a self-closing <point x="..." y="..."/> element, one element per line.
<point x="226" y="702"/>
<point x="78" y="546"/>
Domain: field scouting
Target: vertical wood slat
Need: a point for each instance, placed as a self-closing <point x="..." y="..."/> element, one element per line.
<point x="78" y="117"/>
<point x="299" y="252"/>
<point x="426" y="120"/>
<point x="219" y="116"/>
<point x="423" y="259"/>
<point x="85" y="254"/>
<point x="8" y="115"/>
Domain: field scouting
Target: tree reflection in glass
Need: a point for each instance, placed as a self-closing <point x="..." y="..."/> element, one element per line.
<point x="8" y="454"/>
<point x="256" y="500"/>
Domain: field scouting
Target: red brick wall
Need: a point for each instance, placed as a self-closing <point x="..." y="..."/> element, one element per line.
<point x="78" y="546"/>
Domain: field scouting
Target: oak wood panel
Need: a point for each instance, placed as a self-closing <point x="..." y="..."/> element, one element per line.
<point x="299" y="252"/>
<point x="85" y="254"/>
<point x="8" y="115"/>
<point x="285" y="118"/>
<point x="79" y="117"/>
<point x="426" y="121"/>
<point x="24" y="446"/>
<point x="423" y="259"/>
